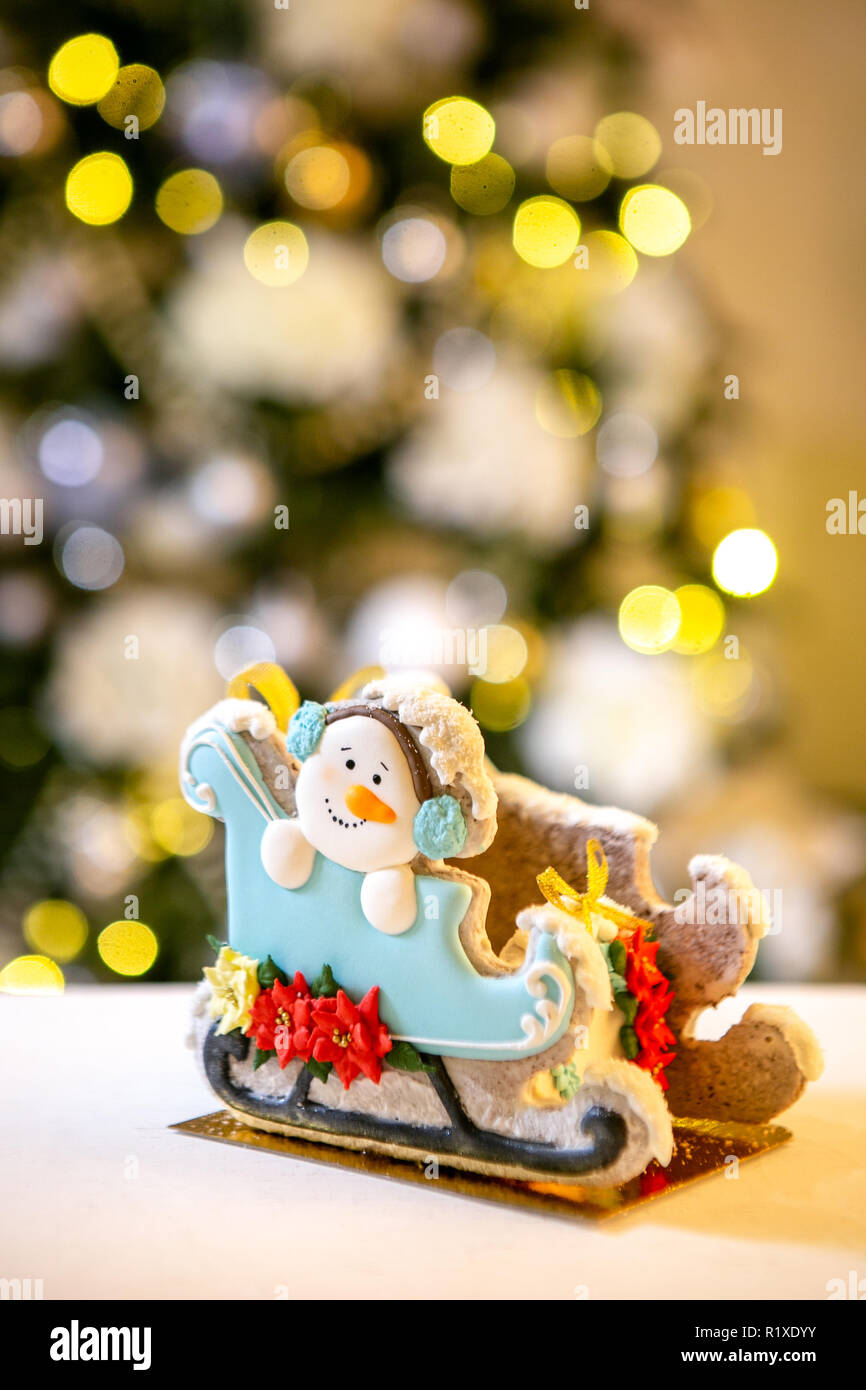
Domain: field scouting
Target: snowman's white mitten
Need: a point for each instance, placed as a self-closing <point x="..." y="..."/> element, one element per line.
<point x="388" y="899"/>
<point x="287" y="854"/>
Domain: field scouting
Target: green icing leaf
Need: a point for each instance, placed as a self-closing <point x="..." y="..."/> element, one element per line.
<point x="269" y="971"/>
<point x="214" y="944"/>
<point x="324" y="984"/>
<point x="627" y="1003"/>
<point x="617" y="983"/>
<point x="263" y="1054"/>
<point x="566" y="1079"/>
<point x="405" y="1057"/>
<point x="617" y="956"/>
<point x="320" y="1070"/>
<point x="630" y="1044"/>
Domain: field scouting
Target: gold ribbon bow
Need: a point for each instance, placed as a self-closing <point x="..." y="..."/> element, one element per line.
<point x="583" y="905"/>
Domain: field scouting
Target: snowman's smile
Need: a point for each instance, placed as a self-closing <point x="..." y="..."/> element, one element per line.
<point x="338" y="820"/>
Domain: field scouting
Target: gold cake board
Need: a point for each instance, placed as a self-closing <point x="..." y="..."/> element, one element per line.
<point x="702" y="1147"/>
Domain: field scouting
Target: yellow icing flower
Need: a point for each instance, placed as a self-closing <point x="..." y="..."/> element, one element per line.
<point x="234" y="982"/>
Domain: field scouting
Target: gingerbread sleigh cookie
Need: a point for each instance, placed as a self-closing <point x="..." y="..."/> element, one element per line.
<point x="530" y="1018"/>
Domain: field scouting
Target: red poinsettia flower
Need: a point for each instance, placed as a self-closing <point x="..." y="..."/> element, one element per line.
<point x="281" y="1020"/>
<point x="645" y="981"/>
<point x="351" y="1036"/>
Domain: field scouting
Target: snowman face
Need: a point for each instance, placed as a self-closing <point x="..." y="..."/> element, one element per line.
<point x="355" y="798"/>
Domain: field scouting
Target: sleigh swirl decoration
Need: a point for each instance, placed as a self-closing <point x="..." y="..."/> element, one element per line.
<point x="373" y="993"/>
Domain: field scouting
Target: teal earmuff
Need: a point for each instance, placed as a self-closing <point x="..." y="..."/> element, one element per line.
<point x="440" y="827"/>
<point x="306" y="727"/>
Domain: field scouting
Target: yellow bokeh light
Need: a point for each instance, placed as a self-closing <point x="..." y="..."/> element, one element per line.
<point x="99" y="189"/>
<point x="31" y="975"/>
<point x="502" y="706"/>
<point x="458" y="130"/>
<point x="318" y="177"/>
<point x="745" y="563"/>
<point x="702" y="619"/>
<point x="719" y="510"/>
<point x="56" y="928"/>
<point x="128" y="948"/>
<point x="632" y="143"/>
<point x="276" y="253"/>
<point x="505" y="652"/>
<point x="649" y="619"/>
<point x="578" y="167"/>
<point x="137" y="91"/>
<point x="190" y="202"/>
<point x="483" y="188"/>
<point x="612" y="263"/>
<point x="177" y="828"/>
<point x="654" y="220"/>
<point x="725" y="686"/>
<point x="546" y="231"/>
<point x="567" y="404"/>
<point x="83" y="69"/>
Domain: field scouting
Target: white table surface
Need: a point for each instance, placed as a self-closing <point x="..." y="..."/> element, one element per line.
<point x="102" y="1200"/>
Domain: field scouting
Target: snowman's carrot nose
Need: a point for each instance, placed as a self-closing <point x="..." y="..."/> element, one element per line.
<point x="367" y="806"/>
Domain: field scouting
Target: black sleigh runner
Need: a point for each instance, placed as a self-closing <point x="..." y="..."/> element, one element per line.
<point x="530" y="1018"/>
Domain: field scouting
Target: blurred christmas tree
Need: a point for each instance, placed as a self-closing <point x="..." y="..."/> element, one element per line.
<point x="311" y="360"/>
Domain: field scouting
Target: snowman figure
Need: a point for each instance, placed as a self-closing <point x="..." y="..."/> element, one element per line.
<point x="368" y="799"/>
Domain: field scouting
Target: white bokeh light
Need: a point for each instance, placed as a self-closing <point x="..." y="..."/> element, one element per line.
<point x="414" y="250"/>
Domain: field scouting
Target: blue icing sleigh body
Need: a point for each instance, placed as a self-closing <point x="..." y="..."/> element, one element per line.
<point x="430" y="994"/>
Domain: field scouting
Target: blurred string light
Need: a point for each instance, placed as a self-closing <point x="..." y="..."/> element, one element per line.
<point x="464" y="359"/>
<point x="89" y="557"/>
<point x="458" y="130"/>
<point x="702" y="619"/>
<point x="23" y="743"/>
<point x="726" y="688"/>
<point x="239" y="646"/>
<point x="612" y="263"/>
<point x="190" y="202"/>
<point x="626" y="445"/>
<point x="500" y="707"/>
<point x="718" y="510"/>
<point x="546" y="231"/>
<point x="649" y="619"/>
<point x="414" y="249"/>
<point x="276" y="253"/>
<point x="578" y="167"/>
<point x="55" y="928"/>
<point x="215" y="108"/>
<point x="506" y="653"/>
<point x="745" y="563"/>
<point x="31" y="975"/>
<point x="319" y="177"/>
<point x="127" y="947"/>
<point x="178" y="829"/>
<point x="485" y="187"/>
<point x="231" y="490"/>
<point x="70" y="450"/>
<point x="654" y="220"/>
<point x="136" y="91"/>
<point x="25" y="606"/>
<point x="83" y="69"/>
<point x="99" y="188"/>
<point x="631" y="143"/>
<point x="475" y="598"/>
<point x="21" y="123"/>
<point x="567" y="404"/>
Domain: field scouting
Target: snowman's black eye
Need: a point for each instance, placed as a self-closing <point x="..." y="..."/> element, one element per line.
<point x="350" y="763"/>
<point x="376" y="778"/>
